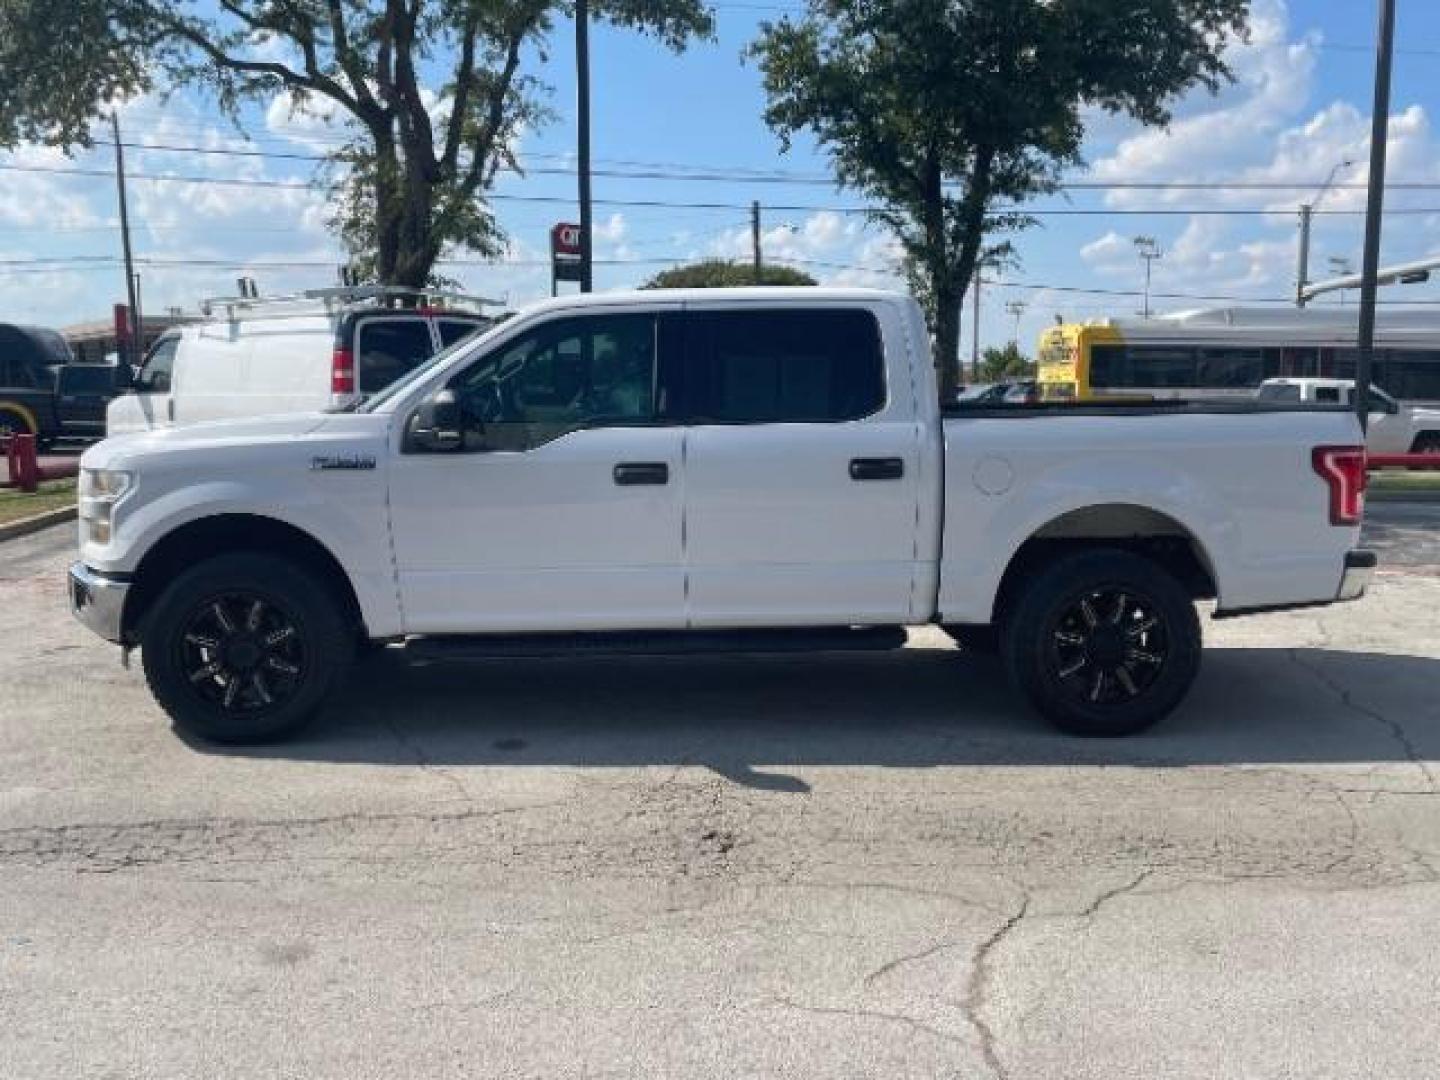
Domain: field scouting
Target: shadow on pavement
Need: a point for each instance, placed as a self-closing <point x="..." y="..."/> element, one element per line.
<point x="749" y="719"/>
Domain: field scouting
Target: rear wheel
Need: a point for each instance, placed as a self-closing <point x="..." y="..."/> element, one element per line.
<point x="244" y="648"/>
<point x="1103" y="643"/>
<point x="1427" y="442"/>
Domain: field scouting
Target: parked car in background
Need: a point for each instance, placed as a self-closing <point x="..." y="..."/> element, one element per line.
<point x="1393" y="429"/>
<point x="744" y="469"/>
<point x="982" y="392"/>
<point x="327" y="349"/>
<point x="43" y="393"/>
<point x="1023" y="393"/>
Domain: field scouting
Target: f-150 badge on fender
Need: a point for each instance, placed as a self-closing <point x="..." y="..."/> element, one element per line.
<point x="342" y="461"/>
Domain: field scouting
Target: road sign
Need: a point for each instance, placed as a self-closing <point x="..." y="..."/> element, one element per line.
<point x="564" y="253"/>
<point x="565" y="240"/>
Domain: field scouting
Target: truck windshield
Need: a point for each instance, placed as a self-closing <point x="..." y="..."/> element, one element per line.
<point x="423" y="371"/>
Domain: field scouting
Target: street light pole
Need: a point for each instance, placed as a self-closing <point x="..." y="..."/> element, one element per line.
<point x="1307" y="214"/>
<point x="1016" y="308"/>
<point x="1374" y="208"/>
<point x="582" y="118"/>
<point x="1148" y="250"/>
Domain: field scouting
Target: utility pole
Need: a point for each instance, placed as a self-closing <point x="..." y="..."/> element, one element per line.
<point x="1307" y="213"/>
<point x="1016" y="308"/>
<point x="755" y="239"/>
<point x="134" y="346"/>
<point x="1374" y="207"/>
<point x="1148" y="250"/>
<point x="582" y="117"/>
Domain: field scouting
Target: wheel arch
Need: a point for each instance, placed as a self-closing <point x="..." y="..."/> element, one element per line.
<point x="25" y="413"/>
<point x="1141" y="530"/>
<point x="221" y="534"/>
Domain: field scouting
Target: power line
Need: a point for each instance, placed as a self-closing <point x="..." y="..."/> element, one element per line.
<point x="559" y="200"/>
<point x="638" y="170"/>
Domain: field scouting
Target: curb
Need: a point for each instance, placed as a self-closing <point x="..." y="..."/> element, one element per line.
<point x="25" y="526"/>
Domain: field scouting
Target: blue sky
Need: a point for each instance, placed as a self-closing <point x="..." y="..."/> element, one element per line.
<point x="1300" y="106"/>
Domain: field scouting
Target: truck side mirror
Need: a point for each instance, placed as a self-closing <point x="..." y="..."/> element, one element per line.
<point x="437" y="424"/>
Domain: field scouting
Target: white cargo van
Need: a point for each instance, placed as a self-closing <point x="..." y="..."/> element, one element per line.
<point x="321" y="350"/>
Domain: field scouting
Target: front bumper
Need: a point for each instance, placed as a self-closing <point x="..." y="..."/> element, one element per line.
<point x="1359" y="569"/>
<point x="98" y="601"/>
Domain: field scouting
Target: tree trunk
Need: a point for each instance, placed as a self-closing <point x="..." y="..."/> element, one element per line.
<point x="947" y="340"/>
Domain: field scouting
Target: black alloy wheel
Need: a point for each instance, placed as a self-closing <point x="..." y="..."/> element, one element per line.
<point x="1102" y="642"/>
<point x="242" y="652"/>
<point x="1109" y="646"/>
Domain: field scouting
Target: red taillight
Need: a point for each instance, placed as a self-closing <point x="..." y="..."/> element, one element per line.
<point x="342" y="371"/>
<point x="1343" y="470"/>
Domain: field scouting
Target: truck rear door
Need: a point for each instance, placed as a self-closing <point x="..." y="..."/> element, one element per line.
<point x="802" y="469"/>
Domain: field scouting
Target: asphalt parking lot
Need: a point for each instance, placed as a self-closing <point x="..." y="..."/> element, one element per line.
<point x="812" y="867"/>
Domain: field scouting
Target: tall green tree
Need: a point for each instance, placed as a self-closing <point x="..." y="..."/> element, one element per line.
<point x="719" y="273"/>
<point x="952" y="113"/>
<point x="432" y="92"/>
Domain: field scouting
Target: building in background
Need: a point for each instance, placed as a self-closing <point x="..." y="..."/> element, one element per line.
<point x="91" y="342"/>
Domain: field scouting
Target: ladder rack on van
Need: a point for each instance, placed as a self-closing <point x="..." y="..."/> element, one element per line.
<point x="340" y="296"/>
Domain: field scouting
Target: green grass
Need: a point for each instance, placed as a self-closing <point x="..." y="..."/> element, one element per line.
<point x="52" y="495"/>
<point x="1398" y="482"/>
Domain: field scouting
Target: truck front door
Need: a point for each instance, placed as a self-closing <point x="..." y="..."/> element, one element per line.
<point x="563" y="509"/>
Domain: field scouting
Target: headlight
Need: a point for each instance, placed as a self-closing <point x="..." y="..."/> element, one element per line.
<point x="100" y="490"/>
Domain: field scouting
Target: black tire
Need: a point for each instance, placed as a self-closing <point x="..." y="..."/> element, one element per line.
<point x="1103" y="643"/>
<point x="13" y="422"/>
<point x="1427" y="442"/>
<point x="267" y="674"/>
<point x="975" y="639"/>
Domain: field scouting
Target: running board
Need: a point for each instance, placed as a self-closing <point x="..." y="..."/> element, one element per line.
<point x="656" y="643"/>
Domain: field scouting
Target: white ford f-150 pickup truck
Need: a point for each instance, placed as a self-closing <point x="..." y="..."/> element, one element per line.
<point x="754" y="469"/>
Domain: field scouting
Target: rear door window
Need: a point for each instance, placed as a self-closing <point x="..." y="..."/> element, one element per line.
<point x="786" y="366"/>
<point x="389" y="348"/>
<point x="86" y="379"/>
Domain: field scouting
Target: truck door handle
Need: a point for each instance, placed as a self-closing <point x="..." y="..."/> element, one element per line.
<point x="635" y="473"/>
<point x="877" y="468"/>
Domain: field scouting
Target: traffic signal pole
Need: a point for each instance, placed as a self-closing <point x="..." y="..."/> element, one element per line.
<point x="1374" y="208"/>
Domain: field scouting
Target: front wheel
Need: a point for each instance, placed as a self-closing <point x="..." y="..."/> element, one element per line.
<point x="244" y="648"/>
<point x="1103" y="643"/>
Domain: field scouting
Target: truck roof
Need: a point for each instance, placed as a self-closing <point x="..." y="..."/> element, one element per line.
<point x="790" y="294"/>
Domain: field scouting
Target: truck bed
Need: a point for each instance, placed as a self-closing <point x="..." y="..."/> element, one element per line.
<point x="1233" y="479"/>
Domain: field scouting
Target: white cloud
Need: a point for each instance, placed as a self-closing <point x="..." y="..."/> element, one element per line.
<point x="1213" y="137"/>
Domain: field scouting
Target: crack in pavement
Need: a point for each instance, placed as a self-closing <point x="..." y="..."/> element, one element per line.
<point x="423" y="762"/>
<point x="872" y="1014"/>
<point x="1090" y="910"/>
<point x="910" y="958"/>
<point x="1396" y="729"/>
<point x="976" y="993"/>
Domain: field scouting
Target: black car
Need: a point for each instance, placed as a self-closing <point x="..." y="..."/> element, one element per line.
<point x="42" y="393"/>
